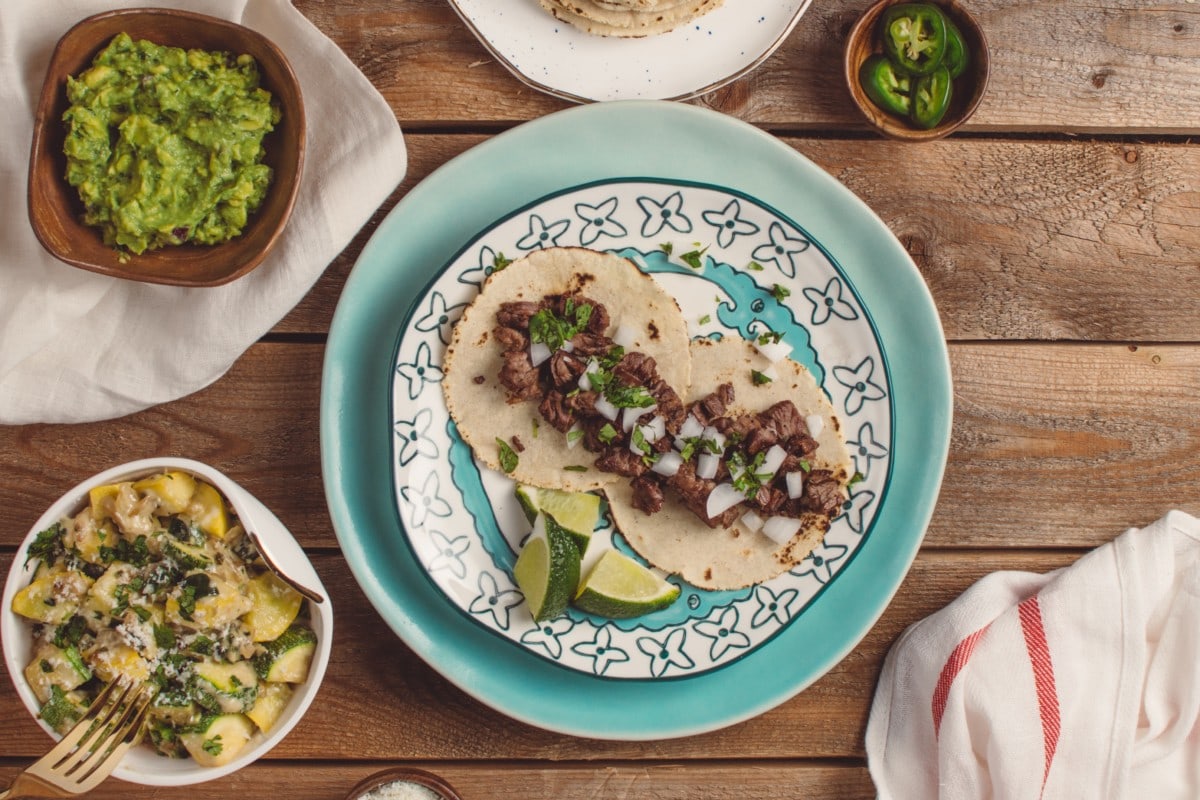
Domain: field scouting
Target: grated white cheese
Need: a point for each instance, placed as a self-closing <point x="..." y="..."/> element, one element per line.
<point x="401" y="790"/>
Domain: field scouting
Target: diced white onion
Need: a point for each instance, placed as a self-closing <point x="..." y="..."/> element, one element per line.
<point x="715" y="436"/>
<point x="574" y="435"/>
<point x="538" y="353"/>
<point x="772" y="460"/>
<point x="751" y="521"/>
<point x="656" y="428"/>
<point x="774" y="351"/>
<point x="606" y="409"/>
<point x="691" y="427"/>
<point x="706" y="466"/>
<point x="815" y="423"/>
<point x="632" y="415"/>
<point x="569" y="346"/>
<point x="795" y="483"/>
<point x="770" y="373"/>
<point x="780" y="530"/>
<point x="585" y="380"/>
<point x="624" y="336"/>
<point x="668" y="464"/>
<point x="722" y="498"/>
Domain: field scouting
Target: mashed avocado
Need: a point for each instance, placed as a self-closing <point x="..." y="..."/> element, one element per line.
<point x="165" y="145"/>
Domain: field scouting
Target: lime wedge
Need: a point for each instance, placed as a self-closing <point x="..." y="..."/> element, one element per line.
<point x="547" y="570"/>
<point x="527" y="496"/>
<point x="619" y="587"/>
<point x="577" y="512"/>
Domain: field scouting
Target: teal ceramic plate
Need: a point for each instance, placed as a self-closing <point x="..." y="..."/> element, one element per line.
<point x="435" y="228"/>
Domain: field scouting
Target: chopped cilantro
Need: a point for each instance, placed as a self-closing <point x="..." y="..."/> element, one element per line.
<point x="707" y="318"/>
<point x="667" y="248"/>
<point x="623" y="396"/>
<point x="780" y="292"/>
<point x="47" y="545"/>
<point x="574" y="435"/>
<point x="748" y="480"/>
<point x="770" y="337"/>
<point x="164" y="637"/>
<point x="805" y="466"/>
<point x="575" y="468"/>
<point x="136" y="552"/>
<point x="552" y="330"/>
<point x="607" y="433"/>
<point x="754" y="266"/>
<point x="192" y="588"/>
<point x="508" y="456"/>
<point x="499" y="262"/>
<point x="759" y="378"/>
<point x="70" y="632"/>
<point x="535" y="427"/>
<point x="694" y="258"/>
<point x="213" y="746"/>
<point x="856" y="478"/>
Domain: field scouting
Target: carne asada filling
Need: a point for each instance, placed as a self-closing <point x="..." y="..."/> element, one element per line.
<point x="614" y="403"/>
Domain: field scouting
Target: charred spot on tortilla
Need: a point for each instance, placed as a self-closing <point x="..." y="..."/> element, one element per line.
<point x="478" y="379"/>
<point x="653" y="330"/>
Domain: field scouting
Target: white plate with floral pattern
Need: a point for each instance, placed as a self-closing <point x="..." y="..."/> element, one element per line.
<point x="737" y="268"/>
<point x="694" y="59"/>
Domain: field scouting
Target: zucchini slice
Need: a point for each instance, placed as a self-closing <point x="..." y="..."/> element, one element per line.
<point x="286" y="659"/>
<point x="217" y="739"/>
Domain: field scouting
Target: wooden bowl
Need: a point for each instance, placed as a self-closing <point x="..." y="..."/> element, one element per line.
<point x="864" y="40"/>
<point x="405" y="774"/>
<point x="55" y="209"/>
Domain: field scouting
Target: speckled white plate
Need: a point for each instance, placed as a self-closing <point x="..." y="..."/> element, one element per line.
<point x="691" y="60"/>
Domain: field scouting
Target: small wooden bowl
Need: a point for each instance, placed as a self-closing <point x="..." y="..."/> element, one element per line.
<point x="864" y="40"/>
<point x="55" y="209"/>
<point x="404" y="774"/>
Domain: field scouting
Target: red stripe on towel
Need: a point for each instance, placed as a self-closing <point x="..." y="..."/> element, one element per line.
<point x="957" y="660"/>
<point x="1043" y="677"/>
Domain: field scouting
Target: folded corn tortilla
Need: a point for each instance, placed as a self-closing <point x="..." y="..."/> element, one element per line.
<point x="674" y="539"/>
<point x="476" y="398"/>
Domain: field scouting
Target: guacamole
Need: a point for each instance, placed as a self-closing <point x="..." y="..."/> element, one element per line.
<point x="165" y="145"/>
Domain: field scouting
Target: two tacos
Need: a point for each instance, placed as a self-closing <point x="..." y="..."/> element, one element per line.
<point x="726" y="551"/>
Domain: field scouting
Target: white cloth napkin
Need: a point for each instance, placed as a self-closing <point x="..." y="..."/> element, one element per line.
<point x="1082" y="683"/>
<point x="76" y="346"/>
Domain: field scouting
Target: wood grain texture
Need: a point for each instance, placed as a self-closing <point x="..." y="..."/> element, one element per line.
<point x="1057" y="65"/>
<point x="767" y="780"/>
<point x="1085" y="241"/>
<point x="399" y="708"/>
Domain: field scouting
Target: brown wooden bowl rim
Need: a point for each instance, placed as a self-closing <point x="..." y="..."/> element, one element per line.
<point x="47" y="102"/>
<point x="891" y="126"/>
<point x="404" y="774"/>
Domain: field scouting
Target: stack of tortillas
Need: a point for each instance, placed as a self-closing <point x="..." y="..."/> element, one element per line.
<point x="628" y="18"/>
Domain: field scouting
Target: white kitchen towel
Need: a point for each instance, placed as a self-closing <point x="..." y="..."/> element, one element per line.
<point x="1081" y="683"/>
<point x="76" y="346"/>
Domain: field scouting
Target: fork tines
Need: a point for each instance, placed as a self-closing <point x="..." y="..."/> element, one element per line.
<point x="90" y="750"/>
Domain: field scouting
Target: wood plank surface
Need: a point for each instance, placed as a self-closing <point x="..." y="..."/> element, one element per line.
<point x="1059" y="233"/>
<point x="1034" y="423"/>
<point x="1079" y="240"/>
<point x="1128" y="67"/>
<point x="766" y="780"/>
<point x="375" y="684"/>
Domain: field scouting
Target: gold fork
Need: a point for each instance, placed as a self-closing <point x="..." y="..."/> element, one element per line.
<point x="92" y="749"/>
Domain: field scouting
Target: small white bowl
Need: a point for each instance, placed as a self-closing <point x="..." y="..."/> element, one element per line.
<point x="142" y="765"/>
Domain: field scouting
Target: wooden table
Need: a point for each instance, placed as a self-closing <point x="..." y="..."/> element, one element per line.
<point x="1059" y="233"/>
